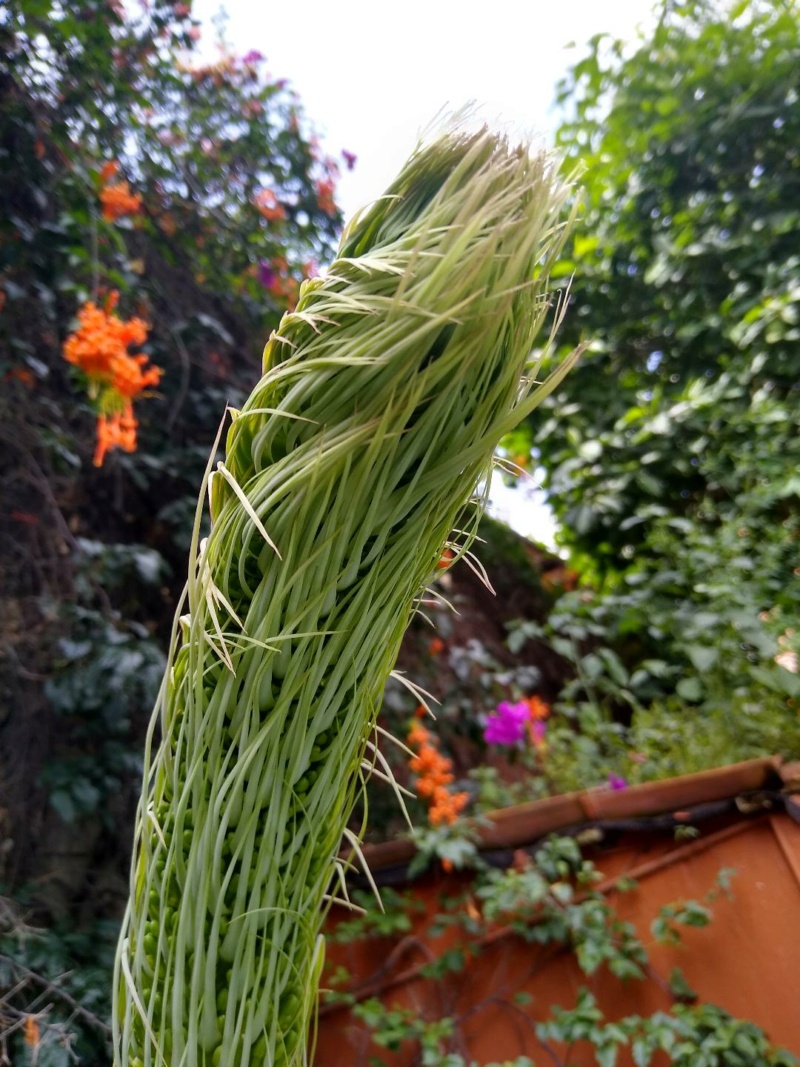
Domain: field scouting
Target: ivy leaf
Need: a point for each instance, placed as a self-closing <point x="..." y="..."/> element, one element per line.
<point x="606" y="1055"/>
<point x="679" y="987"/>
<point x="703" y="659"/>
<point x="690" y="689"/>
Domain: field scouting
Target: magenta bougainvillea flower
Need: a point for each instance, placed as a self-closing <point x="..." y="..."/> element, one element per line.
<point x="265" y="273"/>
<point x="506" y="725"/>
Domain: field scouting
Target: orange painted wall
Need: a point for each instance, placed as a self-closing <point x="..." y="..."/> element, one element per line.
<point x="746" y="961"/>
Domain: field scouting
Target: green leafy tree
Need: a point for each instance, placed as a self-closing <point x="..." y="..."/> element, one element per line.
<point x="686" y="278"/>
<point x="194" y="188"/>
<point x="673" y="465"/>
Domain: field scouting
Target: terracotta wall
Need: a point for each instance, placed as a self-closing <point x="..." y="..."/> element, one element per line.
<point x="746" y="961"/>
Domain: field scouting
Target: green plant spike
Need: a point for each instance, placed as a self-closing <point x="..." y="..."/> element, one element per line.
<point x="384" y="395"/>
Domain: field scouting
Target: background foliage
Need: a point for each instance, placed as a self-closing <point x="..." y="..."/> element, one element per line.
<point x="673" y="463"/>
<point x="236" y="203"/>
<point x="671" y="456"/>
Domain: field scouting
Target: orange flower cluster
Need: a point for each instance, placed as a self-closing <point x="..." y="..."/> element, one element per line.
<point x="560" y="579"/>
<point x="281" y="283"/>
<point x="325" y="201"/>
<point x="537" y="708"/>
<point x="218" y="72"/>
<point x="32" y="1036"/>
<point x="99" y="347"/>
<point x="448" y="555"/>
<point x="22" y="375"/>
<point x="118" y="200"/>
<point x="109" y="170"/>
<point x="434" y="775"/>
<point x="538" y="711"/>
<point x="436" y="646"/>
<point x="116" y="197"/>
<point x="269" y="206"/>
<point x="115" y="431"/>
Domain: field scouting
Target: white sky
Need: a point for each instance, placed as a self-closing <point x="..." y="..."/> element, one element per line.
<point x="371" y="75"/>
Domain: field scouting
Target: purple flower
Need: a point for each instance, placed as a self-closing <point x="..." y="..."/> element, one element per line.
<point x="253" y="56"/>
<point x="506" y="726"/>
<point x="265" y="273"/>
<point x="616" y="782"/>
<point x="349" y="158"/>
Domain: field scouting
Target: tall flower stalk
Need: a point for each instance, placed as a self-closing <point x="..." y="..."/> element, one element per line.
<point x="349" y="473"/>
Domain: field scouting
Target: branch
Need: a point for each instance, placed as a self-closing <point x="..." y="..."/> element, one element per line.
<point x="56" y="991"/>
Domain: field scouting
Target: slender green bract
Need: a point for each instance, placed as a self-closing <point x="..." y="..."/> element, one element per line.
<point x="349" y="469"/>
